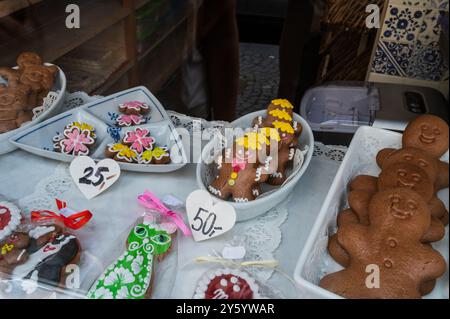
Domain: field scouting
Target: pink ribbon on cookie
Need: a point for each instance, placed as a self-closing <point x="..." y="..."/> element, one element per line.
<point x="150" y="201"/>
<point x="238" y="163"/>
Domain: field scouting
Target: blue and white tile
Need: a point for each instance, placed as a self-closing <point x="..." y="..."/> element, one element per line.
<point x="402" y="24"/>
<point x="430" y="29"/>
<point x="392" y="58"/>
<point x="426" y="4"/>
<point x="427" y="63"/>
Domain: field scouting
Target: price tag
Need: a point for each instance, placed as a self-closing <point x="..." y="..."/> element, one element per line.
<point x="93" y="179"/>
<point x="207" y="220"/>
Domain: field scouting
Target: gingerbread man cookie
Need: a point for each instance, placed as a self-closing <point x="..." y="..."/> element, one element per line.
<point x="40" y="255"/>
<point x="240" y="171"/>
<point x="13" y="251"/>
<point x="428" y="134"/>
<point x="391" y="243"/>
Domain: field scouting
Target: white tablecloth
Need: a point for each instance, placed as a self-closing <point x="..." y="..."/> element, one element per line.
<point x="34" y="182"/>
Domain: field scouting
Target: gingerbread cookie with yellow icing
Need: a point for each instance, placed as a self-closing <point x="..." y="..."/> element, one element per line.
<point x="239" y="169"/>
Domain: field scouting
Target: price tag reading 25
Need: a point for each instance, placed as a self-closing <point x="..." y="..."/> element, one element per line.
<point x="205" y="222"/>
<point x="94" y="178"/>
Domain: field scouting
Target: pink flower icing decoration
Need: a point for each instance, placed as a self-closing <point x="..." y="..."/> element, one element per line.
<point x="130" y="120"/>
<point x="75" y="141"/>
<point x="139" y="139"/>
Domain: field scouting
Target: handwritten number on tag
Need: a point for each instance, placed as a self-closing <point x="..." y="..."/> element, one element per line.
<point x="206" y="226"/>
<point x="89" y="171"/>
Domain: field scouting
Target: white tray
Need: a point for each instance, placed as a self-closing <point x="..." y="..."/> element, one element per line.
<point x="38" y="138"/>
<point x="59" y="86"/>
<point x="315" y="262"/>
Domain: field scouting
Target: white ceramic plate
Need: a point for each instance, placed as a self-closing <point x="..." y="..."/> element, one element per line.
<point x="267" y="201"/>
<point x="315" y="262"/>
<point x="59" y="85"/>
<point x="38" y="138"/>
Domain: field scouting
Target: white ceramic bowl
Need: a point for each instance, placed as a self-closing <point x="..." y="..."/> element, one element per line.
<point x="59" y="85"/>
<point x="249" y="210"/>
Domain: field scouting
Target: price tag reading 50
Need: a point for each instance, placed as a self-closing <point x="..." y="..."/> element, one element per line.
<point x="205" y="225"/>
<point x="206" y="219"/>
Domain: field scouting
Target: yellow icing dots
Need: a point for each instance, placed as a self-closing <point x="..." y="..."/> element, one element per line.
<point x="285" y="104"/>
<point x="7" y="248"/>
<point x="231" y="182"/>
<point x="253" y="141"/>
<point x="271" y="133"/>
<point x="281" y="114"/>
<point x="283" y="127"/>
<point x="83" y="126"/>
<point x="234" y="175"/>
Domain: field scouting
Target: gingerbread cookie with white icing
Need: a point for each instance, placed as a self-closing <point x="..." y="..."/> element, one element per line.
<point x="76" y="139"/>
<point x="13" y="252"/>
<point x="139" y="147"/>
<point x="133" y="113"/>
<point x="227" y="284"/>
<point x="134" y="107"/>
<point x="136" y="265"/>
<point x="240" y="171"/>
<point x="41" y="255"/>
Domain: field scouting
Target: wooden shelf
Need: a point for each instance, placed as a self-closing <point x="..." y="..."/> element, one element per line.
<point x="54" y="40"/>
<point x="113" y="78"/>
<point x="8" y="7"/>
<point x="160" y="36"/>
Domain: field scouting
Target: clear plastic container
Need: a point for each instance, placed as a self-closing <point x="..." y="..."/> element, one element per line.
<point x="340" y="109"/>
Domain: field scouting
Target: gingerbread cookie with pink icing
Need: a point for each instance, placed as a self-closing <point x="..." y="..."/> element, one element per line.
<point x="240" y="171"/>
<point x="227" y="284"/>
<point x="139" y="140"/>
<point x="77" y="139"/>
<point x="139" y="147"/>
<point x="134" y="107"/>
<point x="133" y="113"/>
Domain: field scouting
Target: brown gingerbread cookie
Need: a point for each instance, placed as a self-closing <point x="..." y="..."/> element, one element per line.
<point x="50" y="250"/>
<point x="13" y="251"/>
<point x="432" y="165"/>
<point x="240" y="171"/>
<point x="402" y="174"/>
<point x="392" y="243"/>
<point x="29" y="58"/>
<point x="13" y="103"/>
<point x="428" y="133"/>
<point x="40" y="79"/>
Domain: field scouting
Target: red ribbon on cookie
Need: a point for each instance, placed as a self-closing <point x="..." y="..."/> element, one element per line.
<point x="74" y="221"/>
